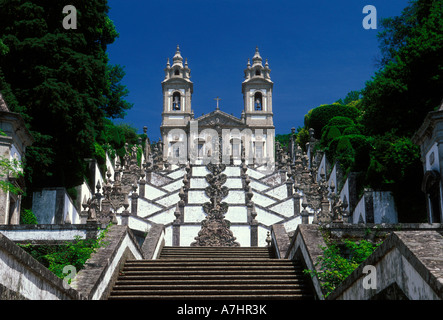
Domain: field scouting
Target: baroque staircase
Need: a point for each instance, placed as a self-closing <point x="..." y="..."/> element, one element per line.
<point x="212" y="273"/>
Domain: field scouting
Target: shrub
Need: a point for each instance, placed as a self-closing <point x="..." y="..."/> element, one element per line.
<point x="351" y="130"/>
<point x="28" y="217"/>
<point x="321" y="116"/>
<point x="335" y="267"/>
<point x="56" y="257"/>
<point x="341" y="121"/>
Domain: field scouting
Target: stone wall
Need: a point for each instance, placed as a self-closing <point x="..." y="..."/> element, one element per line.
<point x="22" y="277"/>
<point x="54" y="206"/>
<point x="47" y="234"/>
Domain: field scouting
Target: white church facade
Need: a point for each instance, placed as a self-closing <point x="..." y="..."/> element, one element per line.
<point x="186" y="138"/>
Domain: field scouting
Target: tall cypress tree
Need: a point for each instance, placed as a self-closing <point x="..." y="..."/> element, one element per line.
<point x="59" y="80"/>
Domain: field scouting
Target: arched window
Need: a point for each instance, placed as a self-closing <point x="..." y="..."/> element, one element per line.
<point x="176" y="101"/>
<point x="258" y="101"/>
<point x="257" y="72"/>
<point x="177" y="72"/>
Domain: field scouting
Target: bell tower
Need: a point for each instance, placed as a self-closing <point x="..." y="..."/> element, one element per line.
<point x="257" y="92"/>
<point x="177" y="95"/>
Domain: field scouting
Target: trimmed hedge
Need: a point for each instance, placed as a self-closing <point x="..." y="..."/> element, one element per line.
<point x="320" y="116"/>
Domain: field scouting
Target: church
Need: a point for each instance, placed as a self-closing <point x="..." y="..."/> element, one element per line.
<point x="198" y="139"/>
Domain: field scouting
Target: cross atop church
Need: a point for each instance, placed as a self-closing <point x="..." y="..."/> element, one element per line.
<point x="217" y="99"/>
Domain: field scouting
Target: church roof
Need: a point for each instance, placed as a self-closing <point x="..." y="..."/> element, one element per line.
<point x="218" y="117"/>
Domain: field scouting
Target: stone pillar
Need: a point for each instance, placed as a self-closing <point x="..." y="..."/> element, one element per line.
<point x="254" y="233"/>
<point x="282" y="175"/>
<point x="125" y="217"/>
<point x="296" y="200"/>
<point x="304" y="216"/>
<point x="176" y="224"/>
<point x="289" y="187"/>
<point x="292" y="145"/>
<point x="134" y="203"/>
<point x="142" y="185"/>
<point x="148" y="176"/>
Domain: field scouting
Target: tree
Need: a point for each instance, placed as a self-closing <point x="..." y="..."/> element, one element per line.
<point x="115" y="104"/>
<point x="61" y="83"/>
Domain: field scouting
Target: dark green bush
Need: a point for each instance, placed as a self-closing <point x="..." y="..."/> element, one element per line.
<point x="28" y="217"/>
<point x="341" y="121"/>
<point x="321" y="116"/>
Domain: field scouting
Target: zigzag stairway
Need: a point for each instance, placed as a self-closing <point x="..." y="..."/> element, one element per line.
<point x="212" y="273"/>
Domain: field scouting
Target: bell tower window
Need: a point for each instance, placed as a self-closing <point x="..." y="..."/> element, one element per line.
<point x="177" y="72"/>
<point x="258" y="101"/>
<point x="176" y="101"/>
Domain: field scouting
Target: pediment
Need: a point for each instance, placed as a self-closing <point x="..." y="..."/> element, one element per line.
<point x="219" y="118"/>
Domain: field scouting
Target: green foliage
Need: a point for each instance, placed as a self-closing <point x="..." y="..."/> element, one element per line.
<point x="352" y="130"/>
<point x="3" y="48"/>
<point x="75" y="253"/>
<point x="66" y="90"/>
<point x="329" y="134"/>
<point x="28" y="217"/>
<point x="284" y="140"/>
<point x="321" y="116"/>
<point x="341" y="122"/>
<point x="115" y="104"/>
<point x="351" y="151"/>
<point x="351" y="97"/>
<point x="114" y="136"/>
<point x="334" y="267"/>
<point x="302" y="138"/>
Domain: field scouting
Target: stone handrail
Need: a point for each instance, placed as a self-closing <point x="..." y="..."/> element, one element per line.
<point x="280" y="240"/>
<point x="306" y="246"/>
<point x="154" y="242"/>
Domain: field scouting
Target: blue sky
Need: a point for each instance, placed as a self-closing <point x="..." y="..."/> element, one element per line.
<point x="318" y="51"/>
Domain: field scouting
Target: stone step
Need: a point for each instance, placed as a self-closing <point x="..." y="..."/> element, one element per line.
<point x="207" y="292"/>
<point x="238" y="272"/>
<point x="208" y="252"/>
<point x="212" y="273"/>
<point x="215" y="297"/>
<point x="245" y="281"/>
<point x="207" y="277"/>
<point x="210" y="267"/>
<point x="209" y="286"/>
<point x="212" y="261"/>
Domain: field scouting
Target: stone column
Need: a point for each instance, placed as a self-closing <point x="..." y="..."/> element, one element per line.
<point x="282" y="175"/>
<point x="176" y="227"/>
<point x="125" y="217"/>
<point x="304" y="216"/>
<point x="134" y="203"/>
<point x="289" y="187"/>
<point x="292" y="145"/>
<point x="296" y="200"/>
<point x="142" y="185"/>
